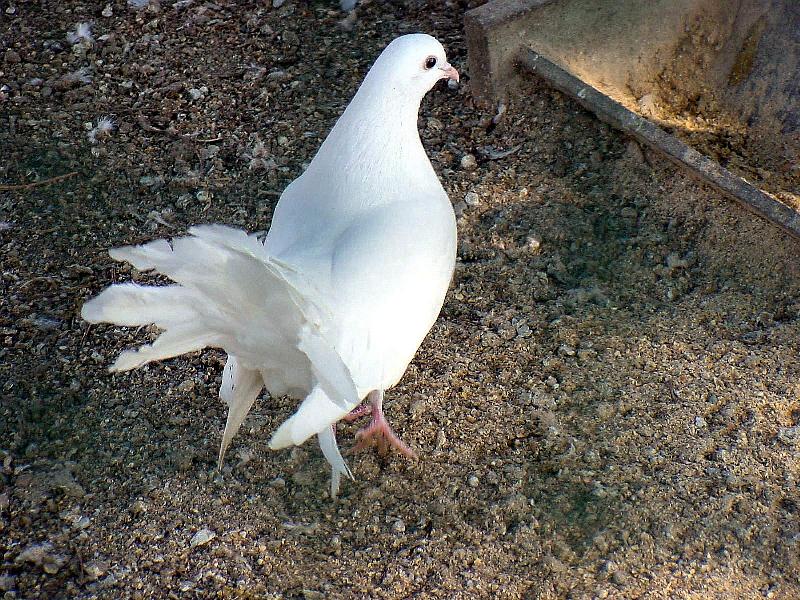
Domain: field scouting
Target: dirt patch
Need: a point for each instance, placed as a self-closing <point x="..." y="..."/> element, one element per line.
<point x="607" y="407"/>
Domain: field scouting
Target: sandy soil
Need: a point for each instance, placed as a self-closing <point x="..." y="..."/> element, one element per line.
<point x="608" y="407"/>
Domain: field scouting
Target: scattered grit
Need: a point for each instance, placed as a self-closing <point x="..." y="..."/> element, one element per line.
<point x="607" y="408"/>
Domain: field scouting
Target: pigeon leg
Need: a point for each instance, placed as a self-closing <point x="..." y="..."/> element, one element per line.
<point x="358" y="412"/>
<point x="379" y="432"/>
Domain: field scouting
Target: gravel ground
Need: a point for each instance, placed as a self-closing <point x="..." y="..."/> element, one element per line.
<point x="608" y="407"/>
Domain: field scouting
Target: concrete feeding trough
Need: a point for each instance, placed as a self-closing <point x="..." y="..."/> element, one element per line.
<point x="719" y="75"/>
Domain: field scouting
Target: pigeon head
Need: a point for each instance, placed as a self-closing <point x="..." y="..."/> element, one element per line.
<point x="413" y="63"/>
<point x="376" y="138"/>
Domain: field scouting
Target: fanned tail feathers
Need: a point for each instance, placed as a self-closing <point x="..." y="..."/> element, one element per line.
<point x="230" y="294"/>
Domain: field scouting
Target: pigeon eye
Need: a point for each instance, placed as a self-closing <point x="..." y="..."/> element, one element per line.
<point x="430" y="62"/>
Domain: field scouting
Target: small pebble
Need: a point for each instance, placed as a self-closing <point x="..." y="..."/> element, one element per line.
<point x="399" y="526"/>
<point x="619" y="577"/>
<point x="186" y="385"/>
<point x="202" y="537"/>
<point x="523" y="331"/>
<point x="468" y="162"/>
<point x="435" y="124"/>
<point x="94" y="570"/>
<point x="7" y="583"/>
<point x="566" y="350"/>
<point x="473" y="481"/>
<point x="336" y="545"/>
<point x="41" y="555"/>
<point x="472" y="199"/>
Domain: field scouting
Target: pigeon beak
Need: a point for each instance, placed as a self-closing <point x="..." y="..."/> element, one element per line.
<point x="449" y="72"/>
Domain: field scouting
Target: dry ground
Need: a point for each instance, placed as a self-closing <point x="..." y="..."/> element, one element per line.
<point x="608" y="406"/>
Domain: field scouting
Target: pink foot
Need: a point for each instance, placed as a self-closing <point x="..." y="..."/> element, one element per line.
<point x="378" y="433"/>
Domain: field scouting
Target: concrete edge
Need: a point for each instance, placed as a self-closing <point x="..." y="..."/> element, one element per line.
<point x="488" y="29"/>
<point x="648" y="133"/>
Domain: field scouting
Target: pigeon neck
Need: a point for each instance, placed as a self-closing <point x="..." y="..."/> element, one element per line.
<point x="376" y="138"/>
<point x="385" y="122"/>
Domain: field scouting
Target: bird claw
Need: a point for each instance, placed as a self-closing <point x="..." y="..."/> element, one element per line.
<point x="379" y="434"/>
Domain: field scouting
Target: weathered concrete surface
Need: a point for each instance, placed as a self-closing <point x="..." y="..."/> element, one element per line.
<point x="653" y="136"/>
<point x="725" y="68"/>
<point x="603" y="41"/>
<point x="495" y="32"/>
<point x="746" y="53"/>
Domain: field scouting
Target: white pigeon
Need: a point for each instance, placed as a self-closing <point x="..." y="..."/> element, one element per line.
<point x="333" y="305"/>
